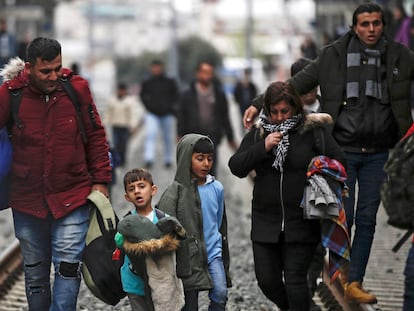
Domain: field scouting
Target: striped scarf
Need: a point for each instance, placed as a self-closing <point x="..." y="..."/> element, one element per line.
<point x="370" y="75"/>
<point x="281" y="149"/>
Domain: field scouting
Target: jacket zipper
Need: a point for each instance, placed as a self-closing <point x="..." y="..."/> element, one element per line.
<point x="281" y="201"/>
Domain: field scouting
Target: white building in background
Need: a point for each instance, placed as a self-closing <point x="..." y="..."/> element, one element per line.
<point x="93" y="31"/>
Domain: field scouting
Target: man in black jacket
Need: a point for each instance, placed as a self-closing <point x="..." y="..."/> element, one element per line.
<point x="159" y="95"/>
<point x="203" y="110"/>
<point x="365" y="80"/>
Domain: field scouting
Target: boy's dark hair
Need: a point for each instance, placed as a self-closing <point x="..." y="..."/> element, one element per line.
<point x="203" y="145"/>
<point x="43" y="48"/>
<point x="137" y="174"/>
<point x="299" y="65"/>
<point x="367" y="8"/>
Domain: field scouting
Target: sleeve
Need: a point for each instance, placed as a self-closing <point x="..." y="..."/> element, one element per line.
<point x="183" y="114"/>
<point x="226" y="118"/>
<point x="308" y="78"/>
<point x="249" y="154"/>
<point x="96" y="148"/>
<point x="332" y="149"/>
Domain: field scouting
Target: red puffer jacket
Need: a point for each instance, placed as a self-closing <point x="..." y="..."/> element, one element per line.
<point x="53" y="170"/>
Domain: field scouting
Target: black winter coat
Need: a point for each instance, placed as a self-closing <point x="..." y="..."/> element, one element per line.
<point x="189" y="115"/>
<point x="277" y="196"/>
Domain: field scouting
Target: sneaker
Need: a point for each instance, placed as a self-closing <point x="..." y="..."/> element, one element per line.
<point x="355" y="293"/>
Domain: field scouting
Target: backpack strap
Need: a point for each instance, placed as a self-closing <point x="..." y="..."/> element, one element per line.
<point x="67" y="86"/>
<point x="104" y="206"/>
<point x="15" y="100"/>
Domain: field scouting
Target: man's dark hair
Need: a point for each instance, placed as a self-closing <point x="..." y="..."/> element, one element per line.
<point x="157" y="62"/>
<point x="43" y="48"/>
<point x="367" y="8"/>
<point x="137" y="174"/>
<point x="205" y="62"/>
<point x="299" y="65"/>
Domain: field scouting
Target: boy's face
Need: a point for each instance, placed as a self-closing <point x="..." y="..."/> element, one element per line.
<point x="201" y="164"/>
<point x="140" y="194"/>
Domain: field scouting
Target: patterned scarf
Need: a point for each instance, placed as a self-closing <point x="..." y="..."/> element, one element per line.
<point x="371" y="75"/>
<point x="281" y="149"/>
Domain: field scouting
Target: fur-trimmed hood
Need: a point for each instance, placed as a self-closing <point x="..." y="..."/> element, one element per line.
<point x="310" y="121"/>
<point x="16" y="77"/>
<point x="314" y="120"/>
<point x="14" y="74"/>
<point x="153" y="247"/>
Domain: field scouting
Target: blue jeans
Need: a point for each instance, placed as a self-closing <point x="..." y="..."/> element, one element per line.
<point x="152" y="124"/>
<point x="409" y="281"/>
<point x="217" y="295"/>
<point x="367" y="169"/>
<point x="60" y="241"/>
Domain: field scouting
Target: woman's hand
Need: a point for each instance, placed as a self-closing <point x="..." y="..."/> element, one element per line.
<point x="272" y="140"/>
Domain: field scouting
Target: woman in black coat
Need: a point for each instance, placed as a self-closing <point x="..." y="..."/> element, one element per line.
<point x="279" y="148"/>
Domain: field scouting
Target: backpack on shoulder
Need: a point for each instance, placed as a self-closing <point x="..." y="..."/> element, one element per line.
<point x="101" y="273"/>
<point x="397" y="191"/>
<point x="5" y="166"/>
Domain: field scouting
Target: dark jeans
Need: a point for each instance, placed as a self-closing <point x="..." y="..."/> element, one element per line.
<point x="281" y="272"/>
<point x="367" y="169"/>
<point x="316" y="268"/>
<point x="120" y="139"/>
<point x="409" y="281"/>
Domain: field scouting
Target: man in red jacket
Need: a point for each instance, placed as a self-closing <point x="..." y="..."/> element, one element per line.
<point x="53" y="171"/>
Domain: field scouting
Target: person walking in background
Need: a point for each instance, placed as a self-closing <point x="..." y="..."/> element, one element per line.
<point x="244" y="91"/>
<point x="120" y="116"/>
<point x="8" y="44"/>
<point x="401" y="25"/>
<point x="57" y="162"/>
<point x="279" y="148"/>
<point x="311" y="99"/>
<point x="365" y="84"/>
<point x="159" y="94"/>
<point x="196" y="198"/>
<point x="203" y="109"/>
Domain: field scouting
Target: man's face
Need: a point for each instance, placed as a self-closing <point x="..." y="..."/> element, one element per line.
<point x="205" y="74"/>
<point x="369" y="28"/>
<point x="44" y="74"/>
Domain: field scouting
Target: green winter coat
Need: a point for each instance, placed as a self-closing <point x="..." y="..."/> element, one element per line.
<point x="181" y="199"/>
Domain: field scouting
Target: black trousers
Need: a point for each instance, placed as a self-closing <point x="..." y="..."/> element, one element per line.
<point x="281" y="272"/>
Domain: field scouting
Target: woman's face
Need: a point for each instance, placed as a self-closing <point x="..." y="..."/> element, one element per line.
<point x="280" y="111"/>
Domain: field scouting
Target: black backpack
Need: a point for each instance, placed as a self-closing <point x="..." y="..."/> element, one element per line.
<point x="101" y="272"/>
<point x="397" y="191"/>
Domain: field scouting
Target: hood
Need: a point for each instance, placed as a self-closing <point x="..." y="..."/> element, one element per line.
<point x="16" y="77"/>
<point x="152" y="247"/>
<point x="184" y="153"/>
<point x="13" y="73"/>
<point x="313" y="120"/>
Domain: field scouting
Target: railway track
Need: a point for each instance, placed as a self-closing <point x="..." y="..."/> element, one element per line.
<point x="12" y="291"/>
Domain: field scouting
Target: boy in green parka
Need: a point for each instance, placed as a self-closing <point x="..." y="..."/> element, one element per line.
<point x="196" y="199"/>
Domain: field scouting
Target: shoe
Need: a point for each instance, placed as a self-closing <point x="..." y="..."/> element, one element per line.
<point x="314" y="306"/>
<point x="167" y="165"/>
<point x="355" y="293"/>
